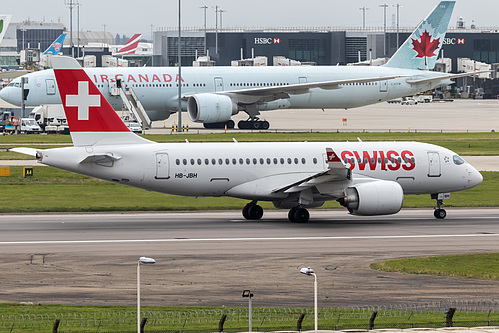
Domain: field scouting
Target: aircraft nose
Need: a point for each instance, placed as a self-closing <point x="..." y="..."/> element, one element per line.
<point x="475" y="177"/>
<point x="5" y="94"/>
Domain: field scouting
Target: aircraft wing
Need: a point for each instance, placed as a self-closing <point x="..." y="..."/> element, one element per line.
<point x="278" y="92"/>
<point x="336" y="172"/>
<point x="445" y="77"/>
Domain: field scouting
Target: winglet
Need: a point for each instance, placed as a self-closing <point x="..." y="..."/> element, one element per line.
<point x="421" y="49"/>
<point x="335" y="164"/>
<point x="91" y="119"/>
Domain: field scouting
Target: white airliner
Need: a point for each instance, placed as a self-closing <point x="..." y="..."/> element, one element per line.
<point x="369" y="178"/>
<point x="212" y="95"/>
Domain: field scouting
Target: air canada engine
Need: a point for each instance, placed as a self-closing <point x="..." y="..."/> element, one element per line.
<point x="210" y="108"/>
<point x="379" y="197"/>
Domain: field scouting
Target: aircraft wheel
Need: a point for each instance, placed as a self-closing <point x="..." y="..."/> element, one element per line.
<point x="242" y="124"/>
<point x="440" y="213"/>
<point x="230" y="124"/>
<point x="291" y="214"/>
<point x="265" y="125"/>
<point x="301" y="215"/>
<point x="255" y="125"/>
<point x="245" y="211"/>
<point x="255" y="212"/>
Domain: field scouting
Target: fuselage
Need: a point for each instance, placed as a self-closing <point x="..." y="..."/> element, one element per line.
<point x="156" y="87"/>
<point x="254" y="170"/>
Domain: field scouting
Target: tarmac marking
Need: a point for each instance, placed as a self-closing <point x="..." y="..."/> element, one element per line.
<point x="242" y="239"/>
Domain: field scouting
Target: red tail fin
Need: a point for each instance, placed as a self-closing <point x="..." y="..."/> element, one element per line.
<point x="90" y="117"/>
<point x="130" y="46"/>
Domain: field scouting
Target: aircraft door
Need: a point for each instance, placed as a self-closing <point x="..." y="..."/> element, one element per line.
<point x="383" y="86"/>
<point x="50" y="86"/>
<point x="433" y="164"/>
<point x="219" y="84"/>
<point x="162" y="166"/>
<point x="302" y="79"/>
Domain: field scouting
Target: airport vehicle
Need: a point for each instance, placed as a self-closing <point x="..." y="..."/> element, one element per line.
<point x="130" y="46"/>
<point x="51" y="118"/>
<point x="368" y="178"/>
<point x="56" y="46"/>
<point x="212" y="95"/>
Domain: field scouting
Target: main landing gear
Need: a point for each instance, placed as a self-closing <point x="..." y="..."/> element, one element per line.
<point x="252" y="211"/>
<point x="253" y="124"/>
<point x="220" y="125"/>
<point x="440" y="213"/>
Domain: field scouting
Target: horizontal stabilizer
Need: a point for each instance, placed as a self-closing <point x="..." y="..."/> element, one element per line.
<point x="26" y="151"/>
<point x="445" y="77"/>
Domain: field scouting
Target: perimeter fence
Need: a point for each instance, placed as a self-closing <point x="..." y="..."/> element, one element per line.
<point x="435" y="314"/>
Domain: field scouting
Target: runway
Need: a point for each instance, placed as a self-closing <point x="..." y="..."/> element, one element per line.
<point x="208" y="258"/>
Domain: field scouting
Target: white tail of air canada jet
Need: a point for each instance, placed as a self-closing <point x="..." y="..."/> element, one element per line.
<point x="212" y="95"/>
<point x="368" y="178"/>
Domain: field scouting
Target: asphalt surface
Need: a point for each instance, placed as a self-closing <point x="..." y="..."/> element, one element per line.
<point x="208" y="258"/>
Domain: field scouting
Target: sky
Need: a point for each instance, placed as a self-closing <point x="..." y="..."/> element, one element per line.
<point x="132" y="16"/>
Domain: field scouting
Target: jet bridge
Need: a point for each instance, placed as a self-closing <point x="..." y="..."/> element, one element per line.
<point x="134" y="107"/>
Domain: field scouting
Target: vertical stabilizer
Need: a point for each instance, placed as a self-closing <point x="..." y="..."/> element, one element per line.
<point x="91" y="119"/>
<point x="56" y="46"/>
<point x="4" y="23"/>
<point x="421" y="49"/>
<point x="130" y="46"/>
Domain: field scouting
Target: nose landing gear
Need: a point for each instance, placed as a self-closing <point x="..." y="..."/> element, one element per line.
<point x="440" y="213"/>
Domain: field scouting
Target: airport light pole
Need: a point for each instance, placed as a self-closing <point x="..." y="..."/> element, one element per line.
<point x="179" y="80"/>
<point x="144" y="260"/>
<point x="310" y="271"/>
<point x="398" y="22"/>
<point x="78" y="27"/>
<point x="216" y="30"/>
<point x="205" y="8"/>
<point x="221" y="11"/>
<point x="384" y="27"/>
<point x="249" y="294"/>
<point x="70" y="4"/>
<point x="363" y="17"/>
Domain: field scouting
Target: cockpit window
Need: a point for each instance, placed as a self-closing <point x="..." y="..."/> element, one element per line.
<point x="458" y="160"/>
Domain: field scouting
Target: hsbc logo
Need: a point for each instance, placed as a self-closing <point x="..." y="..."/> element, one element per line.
<point x="454" y="41"/>
<point x="267" y="41"/>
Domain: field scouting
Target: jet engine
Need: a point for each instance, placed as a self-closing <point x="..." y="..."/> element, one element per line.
<point x="210" y="108"/>
<point x="374" y="198"/>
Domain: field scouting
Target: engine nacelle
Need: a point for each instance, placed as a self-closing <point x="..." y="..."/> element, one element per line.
<point x="380" y="197"/>
<point x="210" y="108"/>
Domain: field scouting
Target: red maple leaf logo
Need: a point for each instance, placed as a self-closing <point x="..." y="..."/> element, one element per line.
<point x="427" y="47"/>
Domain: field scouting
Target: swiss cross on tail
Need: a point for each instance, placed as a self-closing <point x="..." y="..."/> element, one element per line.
<point x="336" y="166"/>
<point x="86" y="109"/>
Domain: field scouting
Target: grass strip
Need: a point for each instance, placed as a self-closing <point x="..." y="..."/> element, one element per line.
<point x="483" y="266"/>
<point x="39" y="318"/>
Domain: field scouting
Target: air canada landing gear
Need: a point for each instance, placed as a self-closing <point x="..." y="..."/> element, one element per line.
<point x="298" y="214"/>
<point x="440" y="213"/>
<point x="220" y="125"/>
<point x="253" y="124"/>
<point x="252" y="211"/>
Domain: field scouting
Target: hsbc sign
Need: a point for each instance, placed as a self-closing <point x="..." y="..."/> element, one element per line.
<point x="454" y="41"/>
<point x="267" y="41"/>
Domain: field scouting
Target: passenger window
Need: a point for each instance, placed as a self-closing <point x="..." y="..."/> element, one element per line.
<point x="275" y="160"/>
<point x="282" y="160"/>
<point x="192" y="161"/>
<point x="184" y="161"/>
<point x="206" y="161"/>
<point x="296" y="160"/>
<point x="248" y="161"/>
<point x="314" y="160"/>
<point x="177" y="161"/>
<point x="199" y="161"/>
<point x="241" y="161"/>
<point x="254" y="160"/>
<point x="227" y="161"/>
<point x="220" y="161"/>
<point x="289" y="160"/>
<point x="261" y="160"/>
<point x="234" y="161"/>
<point x="303" y="161"/>
<point x="213" y="161"/>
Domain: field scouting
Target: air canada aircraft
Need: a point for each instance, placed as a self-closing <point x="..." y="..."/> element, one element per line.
<point x="368" y="178"/>
<point x="212" y="95"/>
